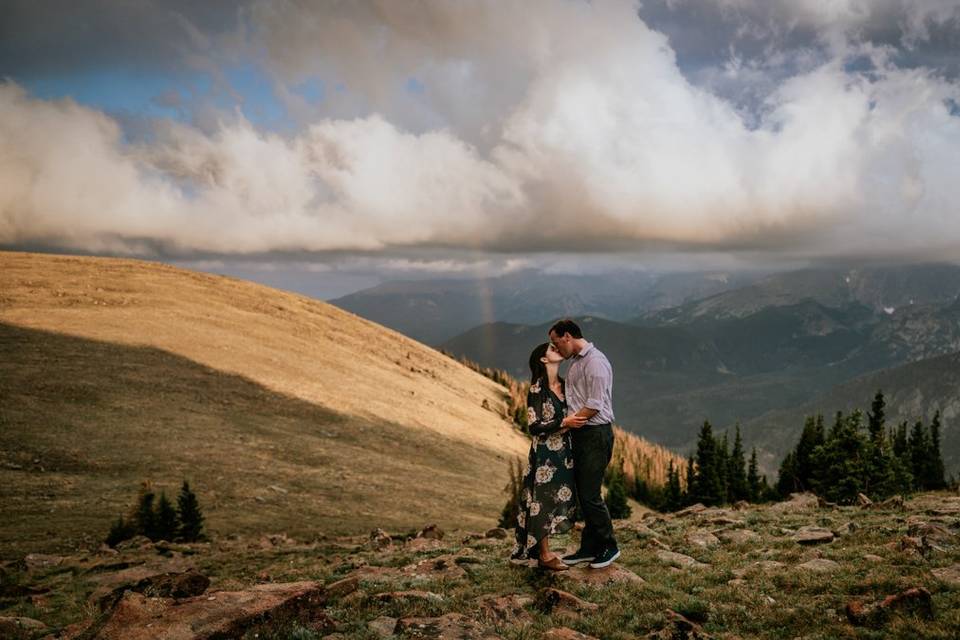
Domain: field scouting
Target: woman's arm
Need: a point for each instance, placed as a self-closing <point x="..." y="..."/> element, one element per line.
<point x="542" y="417"/>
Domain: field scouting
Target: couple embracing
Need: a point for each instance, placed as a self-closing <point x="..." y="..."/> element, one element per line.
<point x="571" y="425"/>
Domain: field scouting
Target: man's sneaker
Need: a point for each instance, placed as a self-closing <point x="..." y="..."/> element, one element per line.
<point x="606" y="558"/>
<point x="577" y="558"/>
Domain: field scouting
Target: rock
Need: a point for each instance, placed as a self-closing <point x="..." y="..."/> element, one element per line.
<point x="135" y="543"/>
<point x="423" y="544"/>
<point x="185" y="584"/>
<point x="20" y="627"/>
<point x="452" y="626"/>
<point x="382" y="626"/>
<point x="447" y="566"/>
<point x="701" y="538"/>
<point x="741" y="505"/>
<point x="379" y="539"/>
<point x="409" y="596"/>
<point x="950" y="576"/>
<point x="739" y="536"/>
<point x="679" y="560"/>
<point x="870" y="557"/>
<point x="498" y="533"/>
<point x="220" y="614"/>
<point x="797" y="502"/>
<point x="432" y="532"/>
<point x="639" y="529"/>
<point x="930" y="531"/>
<point x="737" y="582"/>
<point x="655" y="542"/>
<point x="614" y="574"/>
<point x="679" y="628"/>
<point x="846" y="529"/>
<point x="342" y="587"/>
<point x="565" y="633"/>
<point x="691" y="510"/>
<point x="41" y="561"/>
<point x="819" y="565"/>
<point x="813" y="535"/>
<point x="916" y="601"/>
<point x="554" y="601"/>
<point x="863" y="501"/>
<point x="896" y="502"/>
<point x="510" y="609"/>
<point x="130" y="574"/>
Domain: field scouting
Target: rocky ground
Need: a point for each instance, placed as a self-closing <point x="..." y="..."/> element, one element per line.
<point x="797" y="569"/>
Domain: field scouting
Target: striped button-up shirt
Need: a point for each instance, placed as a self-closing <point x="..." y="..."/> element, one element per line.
<point x="590" y="384"/>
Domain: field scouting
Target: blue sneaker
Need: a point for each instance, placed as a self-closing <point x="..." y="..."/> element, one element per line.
<point x="579" y="557"/>
<point x="606" y="558"/>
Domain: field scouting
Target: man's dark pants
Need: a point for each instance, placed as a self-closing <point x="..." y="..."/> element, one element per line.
<point x="592" y="450"/>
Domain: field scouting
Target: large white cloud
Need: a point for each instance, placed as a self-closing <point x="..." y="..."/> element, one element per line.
<point x="542" y="125"/>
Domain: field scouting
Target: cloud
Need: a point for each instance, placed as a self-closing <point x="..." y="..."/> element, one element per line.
<point x="546" y="126"/>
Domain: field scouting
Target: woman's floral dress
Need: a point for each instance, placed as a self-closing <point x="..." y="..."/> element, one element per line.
<point x="547" y="503"/>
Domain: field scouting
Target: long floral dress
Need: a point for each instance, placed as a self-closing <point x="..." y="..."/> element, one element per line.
<point x="547" y="503"/>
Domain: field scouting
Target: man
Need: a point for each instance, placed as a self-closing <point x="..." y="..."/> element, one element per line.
<point x="589" y="394"/>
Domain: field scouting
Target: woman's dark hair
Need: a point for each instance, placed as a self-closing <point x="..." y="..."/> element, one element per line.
<point x="566" y="326"/>
<point x="538" y="370"/>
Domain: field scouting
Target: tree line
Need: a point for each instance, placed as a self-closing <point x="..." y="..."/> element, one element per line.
<point x="158" y="519"/>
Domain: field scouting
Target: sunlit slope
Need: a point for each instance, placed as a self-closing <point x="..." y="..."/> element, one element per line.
<point x="118" y="370"/>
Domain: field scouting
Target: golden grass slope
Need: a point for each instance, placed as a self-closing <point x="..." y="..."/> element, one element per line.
<point x="120" y="370"/>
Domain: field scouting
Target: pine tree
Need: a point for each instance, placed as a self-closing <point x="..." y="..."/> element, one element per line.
<point x="146" y="516"/>
<point x="753" y="478"/>
<point x="708" y="484"/>
<point x="674" y="494"/>
<point x="937" y="473"/>
<point x="842" y="460"/>
<point x="120" y="530"/>
<point x="901" y="446"/>
<point x="881" y="479"/>
<point x="919" y="448"/>
<point x="876" y="417"/>
<point x="616" y="499"/>
<point x="691" y="477"/>
<point x="166" y="519"/>
<point x="737" y="488"/>
<point x="787" y="481"/>
<point x="191" y="519"/>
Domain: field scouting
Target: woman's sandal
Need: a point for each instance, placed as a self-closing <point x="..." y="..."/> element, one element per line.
<point x="553" y="564"/>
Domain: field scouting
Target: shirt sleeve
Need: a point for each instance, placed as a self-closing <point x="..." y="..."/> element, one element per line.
<point x="539" y="422"/>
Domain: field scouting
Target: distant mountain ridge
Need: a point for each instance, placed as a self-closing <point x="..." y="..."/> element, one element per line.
<point x="433" y="311"/>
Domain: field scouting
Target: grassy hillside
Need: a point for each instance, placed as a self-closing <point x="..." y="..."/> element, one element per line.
<point x="286" y="413"/>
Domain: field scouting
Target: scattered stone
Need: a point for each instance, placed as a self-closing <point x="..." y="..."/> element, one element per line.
<point x="701" y="538"/>
<point x="846" y="529"/>
<point x="930" y="531"/>
<point x="273" y="540"/>
<point x="135" y="543"/>
<point x="452" y="626"/>
<point x="498" y="533"/>
<point x="186" y="584"/>
<point x="423" y="544"/>
<point x="382" y="626"/>
<point x="511" y="609"/>
<point x="379" y="539"/>
<point x="863" y="501"/>
<point x="655" y="542"/>
<point x="614" y="574"/>
<point x="813" y="535"/>
<point x="738" y="536"/>
<point x="20" y="627"/>
<point x="948" y="575"/>
<point x="40" y="561"/>
<point x="565" y="633"/>
<point x="737" y="582"/>
<point x="896" y="502"/>
<point x="819" y="565"/>
<point x="409" y="596"/>
<point x="555" y="601"/>
<point x="679" y="628"/>
<point x="432" y="532"/>
<point x="741" y="505"/>
<point x="916" y="601"/>
<point x="447" y="566"/>
<point x="221" y="614"/>
<point x="641" y="530"/>
<point x="797" y="502"/>
<point x="342" y="587"/>
<point x="679" y="560"/>
<point x="870" y="557"/>
<point x="691" y="510"/>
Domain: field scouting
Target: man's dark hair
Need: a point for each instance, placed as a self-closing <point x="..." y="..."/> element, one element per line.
<point x="566" y="326"/>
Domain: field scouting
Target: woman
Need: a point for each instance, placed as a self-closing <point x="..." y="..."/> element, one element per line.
<point x="547" y="501"/>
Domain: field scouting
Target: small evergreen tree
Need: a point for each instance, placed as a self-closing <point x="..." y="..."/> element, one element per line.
<point x="876" y="417"/>
<point x="787" y="481"/>
<point x="737" y="488"/>
<point x="674" y="493"/>
<point x="842" y="460"/>
<point x="708" y="484"/>
<point x="120" y="530"/>
<point x="167" y="523"/>
<point x="691" y="477"/>
<point x="919" y="451"/>
<point x="146" y="515"/>
<point x="616" y="500"/>
<point x="937" y="478"/>
<point x="191" y="519"/>
<point x="901" y="448"/>
<point x="753" y="478"/>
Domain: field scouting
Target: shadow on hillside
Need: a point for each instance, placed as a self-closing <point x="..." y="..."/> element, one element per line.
<point x="83" y="422"/>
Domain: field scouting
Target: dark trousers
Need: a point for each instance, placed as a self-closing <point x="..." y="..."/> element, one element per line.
<point x="592" y="450"/>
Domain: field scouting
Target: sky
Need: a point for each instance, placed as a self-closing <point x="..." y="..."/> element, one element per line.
<point x="350" y="142"/>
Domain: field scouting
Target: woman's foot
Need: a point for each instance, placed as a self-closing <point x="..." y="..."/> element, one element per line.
<point x="553" y="563"/>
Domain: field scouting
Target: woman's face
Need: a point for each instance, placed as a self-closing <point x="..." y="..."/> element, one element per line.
<point x="553" y="356"/>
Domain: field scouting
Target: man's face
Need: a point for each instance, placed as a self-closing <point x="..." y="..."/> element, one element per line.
<point x="563" y="344"/>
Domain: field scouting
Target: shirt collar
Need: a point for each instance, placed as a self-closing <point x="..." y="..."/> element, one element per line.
<point x="586" y="349"/>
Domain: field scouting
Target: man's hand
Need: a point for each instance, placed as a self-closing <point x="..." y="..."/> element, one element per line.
<point x="573" y="422"/>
